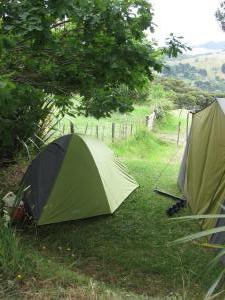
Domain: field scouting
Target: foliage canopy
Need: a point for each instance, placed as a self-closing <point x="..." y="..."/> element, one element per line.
<point x="220" y="15"/>
<point x="60" y="48"/>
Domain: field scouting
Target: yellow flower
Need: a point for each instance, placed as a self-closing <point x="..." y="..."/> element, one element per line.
<point x="18" y="276"/>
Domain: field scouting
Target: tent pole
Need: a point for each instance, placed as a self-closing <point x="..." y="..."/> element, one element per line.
<point x="163" y="193"/>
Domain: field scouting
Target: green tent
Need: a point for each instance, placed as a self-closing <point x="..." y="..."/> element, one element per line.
<point x="75" y="177"/>
<point x="202" y="172"/>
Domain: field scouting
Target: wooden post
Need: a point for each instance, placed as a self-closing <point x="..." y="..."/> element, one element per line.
<point x="146" y="121"/>
<point x="86" y="129"/>
<point x="178" y="134"/>
<point x="103" y="131"/>
<point x="97" y="131"/>
<point x="131" y="129"/>
<point x="187" y="126"/>
<point x="71" y="127"/>
<point x="113" y="132"/>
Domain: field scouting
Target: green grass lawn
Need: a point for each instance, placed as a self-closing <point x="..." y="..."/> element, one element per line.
<point x="128" y="251"/>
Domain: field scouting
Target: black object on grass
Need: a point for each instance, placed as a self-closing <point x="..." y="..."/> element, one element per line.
<point x="176" y="208"/>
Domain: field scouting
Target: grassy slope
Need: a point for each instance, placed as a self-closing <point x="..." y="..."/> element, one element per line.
<point x="128" y="250"/>
<point x="211" y="62"/>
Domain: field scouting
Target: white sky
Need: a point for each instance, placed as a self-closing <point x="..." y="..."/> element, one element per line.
<point x="193" y="19"/>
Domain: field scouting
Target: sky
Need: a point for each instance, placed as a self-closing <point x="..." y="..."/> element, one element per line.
<point x="193" y="19"/>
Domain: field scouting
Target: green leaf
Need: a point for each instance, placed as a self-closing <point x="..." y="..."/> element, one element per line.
<point x="199" y="235"/>
<point x="210" y="292"/>
<point x="197" y="217"/>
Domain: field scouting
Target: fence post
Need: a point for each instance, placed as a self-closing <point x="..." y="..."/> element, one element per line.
<point x="71" y="127"/>
<point x="113" y="132"/>
<point x="126" y="131"/>
<point x="178" y="133"/>
<point x="97" y="131"/>
<point x="103" y="131"/>
<point x="120" y="132"/>
<point x="146" y="121"/>
<point x="187" y="126"/>
<point x="86" y="128"/>
<point x="149" y="121"/>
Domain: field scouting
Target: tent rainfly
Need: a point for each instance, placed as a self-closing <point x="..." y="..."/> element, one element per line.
<point x="75" y="177"/>
<point x="202" y="172"/>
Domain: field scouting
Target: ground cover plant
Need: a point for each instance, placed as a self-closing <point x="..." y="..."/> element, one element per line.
<point x="129" y="250"/>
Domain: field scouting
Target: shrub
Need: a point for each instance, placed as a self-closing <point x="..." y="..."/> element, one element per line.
<point x="21" y="114"/>
<point x="186" y="96"/>
<point x="25" y="113"/>
<point x="160" y="99"/>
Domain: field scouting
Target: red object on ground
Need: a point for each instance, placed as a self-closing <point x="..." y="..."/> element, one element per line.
<point x="19" y="214"/>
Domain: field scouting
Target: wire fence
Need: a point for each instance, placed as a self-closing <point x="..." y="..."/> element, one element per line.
<point x="108" y="132"/>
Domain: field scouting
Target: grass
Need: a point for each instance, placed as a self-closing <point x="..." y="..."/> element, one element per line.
<point x="125" y="255"/>
<point x="169" y="124"/>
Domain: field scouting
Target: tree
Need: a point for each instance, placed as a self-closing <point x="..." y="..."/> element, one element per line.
<point x="220" y="15"/>
<point x="203" y="72"/>
<point x="186" y="71"/>
<point x="223" y="68"/>
<point x="58" y="48"/>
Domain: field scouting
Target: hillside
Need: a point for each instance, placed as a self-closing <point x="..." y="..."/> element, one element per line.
<point x="123" y="256"/>
<point x="211" y="62"/>
<point x="202" y="71"/>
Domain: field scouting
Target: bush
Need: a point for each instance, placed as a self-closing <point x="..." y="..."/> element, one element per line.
<point x="185" y="96"/>
<point x="21" y="115"/>
<point x="25" y="114"/>
<point x="160" y="99"/>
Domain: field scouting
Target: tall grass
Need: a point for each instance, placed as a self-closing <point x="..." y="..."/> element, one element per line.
<point x="13" y="258"/>
<point x="143" y="145"/>
<point x="211" y="294"/>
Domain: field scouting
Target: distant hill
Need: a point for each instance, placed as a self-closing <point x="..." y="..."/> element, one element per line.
<point x="212" y="45"/>
<point x="201" y="70"/>
<point x="211" y="62"/>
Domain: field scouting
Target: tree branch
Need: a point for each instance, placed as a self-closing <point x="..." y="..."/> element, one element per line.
<point x="60" y="23"/>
